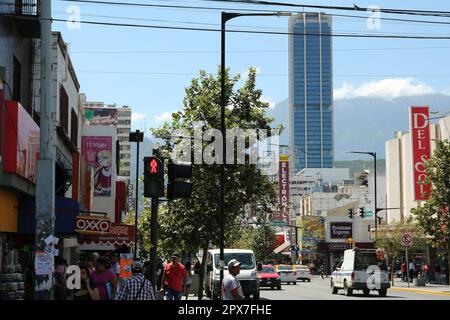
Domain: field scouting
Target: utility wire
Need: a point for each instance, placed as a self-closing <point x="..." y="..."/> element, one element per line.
<point x="345" y="35"/>
<point x="268" y="3"/>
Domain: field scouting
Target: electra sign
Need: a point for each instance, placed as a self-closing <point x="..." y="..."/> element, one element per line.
<point x="420" y="129"/>
<point x="283" y="193"/>
<point x="92" y="225"/>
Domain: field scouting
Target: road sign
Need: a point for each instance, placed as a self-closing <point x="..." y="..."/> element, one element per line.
<point x="369" y="214"/>
<point x="406" y="239"/>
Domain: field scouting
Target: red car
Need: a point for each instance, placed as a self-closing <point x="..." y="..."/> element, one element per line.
<point x="268" y="277"/>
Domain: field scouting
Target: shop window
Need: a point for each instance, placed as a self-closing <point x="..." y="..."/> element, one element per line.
<point x="63" y="109"/>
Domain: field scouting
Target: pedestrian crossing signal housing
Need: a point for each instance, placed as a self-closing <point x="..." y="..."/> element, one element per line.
<point x="350" y="213"/>
<point x="178" y="187"/>
<point x="153" y="177"/>
<point x="361" y="212"/>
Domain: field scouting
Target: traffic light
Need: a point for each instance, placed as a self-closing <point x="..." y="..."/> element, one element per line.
<point x="153" y="177"/>
<point x="177" y="188"/>
<point x="361" y="212"/>
<point x="350" y="213"/>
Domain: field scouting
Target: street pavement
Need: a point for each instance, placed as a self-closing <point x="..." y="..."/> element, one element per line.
<point x="319" y="289"/>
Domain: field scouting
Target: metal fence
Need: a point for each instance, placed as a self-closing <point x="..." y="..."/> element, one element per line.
<point x="20" y="7"/>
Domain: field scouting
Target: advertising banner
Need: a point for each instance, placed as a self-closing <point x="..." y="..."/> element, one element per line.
<point x="97" y="153"/>
<point x="92" y="225"/>
<point x="282" y="218"/>
<point x="100" y="116"/>
<point x="340" y="230"/>
<point x="312" y="233"/>
<point x="120" y="234"/>
<point x="126" y="260"/>
<point x="420" y="135"/>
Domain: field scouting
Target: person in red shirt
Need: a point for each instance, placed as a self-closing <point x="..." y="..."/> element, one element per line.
<point x="174" y="279"/>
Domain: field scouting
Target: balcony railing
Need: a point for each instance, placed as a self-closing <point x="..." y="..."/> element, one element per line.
<point x="20" y="7"/>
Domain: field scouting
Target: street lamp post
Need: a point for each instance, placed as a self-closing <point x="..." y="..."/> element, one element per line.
<point x="226" y="16"/>
<point x="137" y="137"/>
<point x="374" y="155"/>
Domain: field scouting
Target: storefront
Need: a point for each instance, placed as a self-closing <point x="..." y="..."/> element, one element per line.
<point x="333" y="252"/>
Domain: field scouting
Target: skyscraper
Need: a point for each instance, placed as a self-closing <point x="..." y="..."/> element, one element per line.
<point x="311" y="91"/>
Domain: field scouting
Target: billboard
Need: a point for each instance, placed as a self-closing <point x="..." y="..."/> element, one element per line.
<point x="312" y="230"/>
<point x="100" y="116"/>
<point x="420" y="135"/>
<point x="97" y="154"/>
<point x="282" y="216"/>
<point x="341" y="230"/>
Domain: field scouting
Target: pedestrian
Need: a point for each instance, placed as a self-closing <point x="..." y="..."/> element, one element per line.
<point x="105" y="280"/>
<point x="231" y="287"/>
<point x="322" y="270"/>
<point x="412" y="270"/>
<point x="88" y="290"/>
<point x="438" y="273"/>
<point x="197" y="267"/>
<point x="426" y="272"/>
<point x="115" y="267"/>
<point x="137" y="287"/>
<point x="187" y="266"/>
<point x="173" y="281"/>
<point x="159" y="273"/>
<point x="404" y="270"/>
<point x="60" y="287"/>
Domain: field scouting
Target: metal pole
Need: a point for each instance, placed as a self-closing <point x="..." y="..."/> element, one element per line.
<point x="375" y="186"/>
<point x="154" y="240"/>
<point x="222" y="127"/>
<point x="136" y="208"/>
<point x="407" y="266"/>
<point x="45" y="175"/>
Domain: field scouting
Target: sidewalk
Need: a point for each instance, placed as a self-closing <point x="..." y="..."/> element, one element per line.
<point x="441" y="289"/>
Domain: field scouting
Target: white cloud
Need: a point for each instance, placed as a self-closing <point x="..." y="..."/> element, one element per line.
<point x="136" y="116"/>
<point x="446" y="92"/>
<point x="387" y="89"/>
<point x="268" y="100"/>
<point x="163" y="117"/>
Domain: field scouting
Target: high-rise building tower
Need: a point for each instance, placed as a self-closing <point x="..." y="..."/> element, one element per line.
<point x="311" y="90"/>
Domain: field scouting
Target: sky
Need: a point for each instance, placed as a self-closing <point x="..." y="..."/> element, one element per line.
<point x="148" y="69"/>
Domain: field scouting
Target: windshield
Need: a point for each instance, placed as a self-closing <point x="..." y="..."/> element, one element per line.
<point x="246" y="259"/>
<point x="268" y="270"/>
<point x="365" y="259"/>
<point x="285" y="268"/>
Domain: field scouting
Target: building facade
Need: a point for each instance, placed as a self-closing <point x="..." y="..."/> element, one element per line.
<point x="311" y="90"/>
<point x="400" y="173"/>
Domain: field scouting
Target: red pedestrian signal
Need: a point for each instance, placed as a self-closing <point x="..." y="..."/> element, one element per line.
<point x="153" y="177"/>
<point x="153" y="166"/>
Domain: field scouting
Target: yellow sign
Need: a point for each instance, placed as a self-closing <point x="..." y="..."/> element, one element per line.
<point x="284" y="158"/>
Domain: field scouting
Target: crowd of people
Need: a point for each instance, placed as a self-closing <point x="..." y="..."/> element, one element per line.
<point x="411" y="270"/>
<point x="100" y="279"/>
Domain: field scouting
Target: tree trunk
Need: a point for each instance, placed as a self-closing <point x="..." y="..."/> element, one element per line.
<point x="202" y="271"/>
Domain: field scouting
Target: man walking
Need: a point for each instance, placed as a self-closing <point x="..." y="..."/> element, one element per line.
<point x="412" y="270"/>
<point x="174" y="279"/>
<point x="137" y="287"/>
<point x="231" y="287"/>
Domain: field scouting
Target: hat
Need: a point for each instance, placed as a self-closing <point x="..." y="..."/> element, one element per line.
<point x="233" y="263"/>
<point x="137" y="266"/>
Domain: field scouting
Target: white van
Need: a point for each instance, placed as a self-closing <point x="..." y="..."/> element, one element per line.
<point x="361" y="269"/>
<point x="247" y="277"/>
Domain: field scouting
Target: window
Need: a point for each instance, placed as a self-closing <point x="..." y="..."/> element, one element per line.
<point x="63" y="109"/>
<point x="74" y="128"/>
<point x="17" y="71"/>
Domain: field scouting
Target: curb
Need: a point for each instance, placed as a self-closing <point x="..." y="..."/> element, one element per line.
<point x="421" y="291"/>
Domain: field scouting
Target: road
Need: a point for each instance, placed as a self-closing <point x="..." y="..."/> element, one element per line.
<point x="319" y="289"/>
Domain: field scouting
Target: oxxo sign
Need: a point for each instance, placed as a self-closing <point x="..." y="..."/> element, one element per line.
<point x="420" y="129"/>
<point x="92" y="225"/>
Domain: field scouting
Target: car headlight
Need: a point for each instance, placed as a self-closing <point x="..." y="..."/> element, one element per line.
<point x="253" y="274"/>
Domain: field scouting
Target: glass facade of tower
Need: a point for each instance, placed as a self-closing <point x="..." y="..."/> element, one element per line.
<point x="311" y="99"/>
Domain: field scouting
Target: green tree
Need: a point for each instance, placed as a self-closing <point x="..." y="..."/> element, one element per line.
<point x="193" y="224"/>
<point x="434" y="216"/>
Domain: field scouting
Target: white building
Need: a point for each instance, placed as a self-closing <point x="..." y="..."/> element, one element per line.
<point x="399" y="170"/>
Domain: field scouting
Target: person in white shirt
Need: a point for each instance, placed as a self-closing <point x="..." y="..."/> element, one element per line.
<point x="231" y="288"/>
<point x="412" y="270"/>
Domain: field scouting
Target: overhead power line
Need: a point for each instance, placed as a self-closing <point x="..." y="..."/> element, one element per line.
<point x="345" y="35"/>
<point x="279" y="4"/>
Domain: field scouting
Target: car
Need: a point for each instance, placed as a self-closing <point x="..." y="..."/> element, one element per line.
<point x="287" y="273"/>
<point x="268" y="277"/>
<point x="361" y="269"/>
<point x="247" y="276"/>
<point x="303" y="272"/>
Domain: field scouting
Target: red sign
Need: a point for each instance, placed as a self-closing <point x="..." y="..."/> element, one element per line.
<point x="119" y="234"/>
<point x="283" y="193"/>
<point x="420" y="133"/>
<point x="92" y="225"/>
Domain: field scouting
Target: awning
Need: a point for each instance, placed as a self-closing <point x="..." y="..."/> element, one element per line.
<point x="283" y="248"/>
<point x="120" y="234"/>
<point x="66" y="211"/>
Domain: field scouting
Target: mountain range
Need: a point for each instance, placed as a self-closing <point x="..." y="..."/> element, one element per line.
<point x="366" y="123"/>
